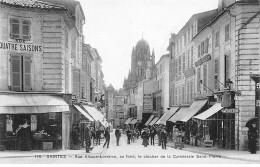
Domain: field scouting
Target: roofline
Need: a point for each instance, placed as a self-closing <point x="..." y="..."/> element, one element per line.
<point x="55" y="7"/>
<point x="192" y="17"/>
<point x="221" y="14"/>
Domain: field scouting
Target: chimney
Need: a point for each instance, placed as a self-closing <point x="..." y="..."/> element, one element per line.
<point x="222" y="4"/>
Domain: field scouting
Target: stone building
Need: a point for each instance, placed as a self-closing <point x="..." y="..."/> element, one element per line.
<point x="39" y="41"/>
<point x="226" y="66"/>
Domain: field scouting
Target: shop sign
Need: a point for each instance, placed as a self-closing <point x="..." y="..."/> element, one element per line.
<point x="23" y="47"/>
<point x="203" y="60"/>
<point x="230" y="110"/>
<point x="148" y="103"/>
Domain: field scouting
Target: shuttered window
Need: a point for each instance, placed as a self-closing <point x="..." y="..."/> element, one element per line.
<point x="76" y="82"/>
<point x="207" y="45"/>
<point x="227" y="34"/>
<point x="20" y="72"/>
<point x="205" y="76"/>
<point x="20" y="29"/>
<point x="217" y="39"/>
<point x="198" y="79"/>
<point x="216" y="72"/>
<point x="198" y="51"/>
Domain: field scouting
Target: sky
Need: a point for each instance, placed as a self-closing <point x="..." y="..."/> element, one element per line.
<point x="114" y="27"/>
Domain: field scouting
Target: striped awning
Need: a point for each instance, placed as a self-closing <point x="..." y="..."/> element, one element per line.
<point x="128" y="120"/>
<point x="155" y="119"/>
<point x="149" y="120"/>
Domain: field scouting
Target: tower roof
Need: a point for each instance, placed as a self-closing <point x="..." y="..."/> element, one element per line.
<point x="142" y="45"/>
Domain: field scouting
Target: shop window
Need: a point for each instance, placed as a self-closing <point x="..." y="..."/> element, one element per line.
<point x="20" y="72"/>
<point x="10" y="131"/>
<point x="20" y="29"/>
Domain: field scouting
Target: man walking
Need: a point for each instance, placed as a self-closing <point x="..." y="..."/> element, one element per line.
<point x="107" y="137"/>
<point x="87" y="137"/>
<point x="98" y="136"/>
<point x="128" y="134"/>
<point x="152" y="134"/>
<point x="164" y="138"/>
<point x="118" y="135"/>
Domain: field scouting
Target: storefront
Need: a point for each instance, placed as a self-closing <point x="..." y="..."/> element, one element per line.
<point x="167" y="115"/>
<point x="217" y="127"/>
<point x="46" y="116"/>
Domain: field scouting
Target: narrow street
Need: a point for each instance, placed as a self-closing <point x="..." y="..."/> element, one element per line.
<point x="133" y="153"/>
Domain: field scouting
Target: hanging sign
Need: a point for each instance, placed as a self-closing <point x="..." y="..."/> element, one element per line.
<point x="230" y="110"/>
<point x="203" y="60"/>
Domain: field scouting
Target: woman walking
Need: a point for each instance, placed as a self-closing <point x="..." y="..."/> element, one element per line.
<point x="145" y="137"/>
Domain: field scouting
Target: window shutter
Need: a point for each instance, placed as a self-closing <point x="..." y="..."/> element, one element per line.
<point x="198" y="51"/>
<point x="15" y="32"/>
<point x="27" y="73"/>
<point x="16" y="77"/>
<point x="207" y="45"/>
<point x="26" y="30"/>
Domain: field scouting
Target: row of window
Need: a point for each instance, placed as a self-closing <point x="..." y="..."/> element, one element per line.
<point x="227" y="36"/>
<point x="183" y="94"/>
<point x="184" y="39"/>
<point x="183" y="62"/>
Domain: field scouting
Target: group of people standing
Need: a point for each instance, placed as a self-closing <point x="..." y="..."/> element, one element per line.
<point x="148" y="133"/>
<point x="151" y="132"/>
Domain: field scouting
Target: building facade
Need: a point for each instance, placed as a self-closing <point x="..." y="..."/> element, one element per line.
<point x="35" y="54"/>
<point x="225" y="62"/>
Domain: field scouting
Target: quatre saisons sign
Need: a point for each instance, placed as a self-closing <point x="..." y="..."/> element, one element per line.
<point x="23" y="47"/>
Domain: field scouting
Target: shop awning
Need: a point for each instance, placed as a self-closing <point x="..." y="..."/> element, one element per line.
<point x="128" y="120"/>
<point x="84" y="113"/>
<point x="212" y="110"/>
<point x="192" y="110"/>
<point x="179" y="115"/>
<point x="31" y="103"/>
<point x="94" y="113"/>
<point x="133" y="122"/>
<point x="153" y="121"/>
<point x="167" y="115"/>
<point x="149" y="120"/>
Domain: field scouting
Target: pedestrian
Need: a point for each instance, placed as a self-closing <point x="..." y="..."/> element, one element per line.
<point x="93" y="134"/>
<point x="75" y="137"/>
<point x="159" y="136"/>
<point x="164" y="138"/>
<point x="118" y="135"/>
<point x="252" y="138"/>
<point x="152" y="134"/>
<point x="128" y="134"/>
<point x="145" y="137"/>
<point x="98" y="136"/>
<point x="107" y="137"/>
<point x="24" y="136"/>
<point x="87" y="137"/>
